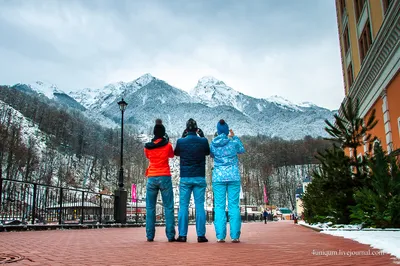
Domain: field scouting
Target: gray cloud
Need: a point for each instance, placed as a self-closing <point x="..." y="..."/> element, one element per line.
<point x="259" y="47"/>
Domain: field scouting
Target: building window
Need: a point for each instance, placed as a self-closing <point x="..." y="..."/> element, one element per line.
<point x="346" y="40"/>
<point x="386" y="5"/>
<point x="350" y="78"/>
<point x="365" y="41"/>
<point x="342" y="6"/>
<point x="359" y="5"/>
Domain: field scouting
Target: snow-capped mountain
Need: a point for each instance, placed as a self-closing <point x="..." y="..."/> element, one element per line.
<point x="100" y="98"/>
<point x="43" y="88"/>
<point x="47" y="89"/>
<point x="210" y="100"/>
<point x="156" y="99"/>
<point x="50" y="91"/>
<point x="213" y="92"/>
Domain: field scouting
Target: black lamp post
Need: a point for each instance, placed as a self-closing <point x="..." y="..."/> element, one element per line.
<point x="122" y="106"/>
<point x="245" y="203"/>
<point x="121" y="194"/>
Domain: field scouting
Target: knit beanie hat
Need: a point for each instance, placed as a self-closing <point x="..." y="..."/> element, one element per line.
<point x="159" y="129"/>
<point x="222" y="127"/>
<point x="191" y="125"/>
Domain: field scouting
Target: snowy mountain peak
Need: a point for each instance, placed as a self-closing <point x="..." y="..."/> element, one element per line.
<point x="283" y="102"/>
<point x="213" y="92"/>
<point x="100" y="98"/>
<point x="209" y="81"/>
<point x="144" y="79"/>
<point x="45" y="88"/>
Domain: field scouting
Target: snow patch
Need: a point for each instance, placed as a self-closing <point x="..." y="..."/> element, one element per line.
<point x="44" y="88"/>
<point x="387" y="241"/>
<point x="29" y="130"/>
<point x="144" y="99"/>
<point x="283" y="102"/>
<point x="306" y="104"/>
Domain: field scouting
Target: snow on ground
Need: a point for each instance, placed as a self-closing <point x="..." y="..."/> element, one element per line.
<point x="387" y="240"/>
<point x="28" y="129"/>
<point x="333" y="227"/>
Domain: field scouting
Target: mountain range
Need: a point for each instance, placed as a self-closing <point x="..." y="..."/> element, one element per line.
<point x="210" y="100"/>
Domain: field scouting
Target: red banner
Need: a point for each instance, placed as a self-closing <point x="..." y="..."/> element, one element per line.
<point x="133" y="193"/>
<point x="265" y="194"/>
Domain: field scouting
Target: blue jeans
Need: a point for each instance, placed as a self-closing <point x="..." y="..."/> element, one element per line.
<point x="221" y="191"/>
<point x="164" y="184"/>
<point x="198" y="186"/>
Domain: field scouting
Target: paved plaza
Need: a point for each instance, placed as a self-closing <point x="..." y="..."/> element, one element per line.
<point x="277" y="243"/>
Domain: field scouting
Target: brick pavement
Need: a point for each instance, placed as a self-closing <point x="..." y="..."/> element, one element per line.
<point x="278" y="243"/>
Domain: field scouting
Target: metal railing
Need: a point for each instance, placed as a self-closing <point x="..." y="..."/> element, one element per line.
<point x="32" y="203"/>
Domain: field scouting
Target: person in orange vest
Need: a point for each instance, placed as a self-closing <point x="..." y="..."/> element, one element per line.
<point x="158" y="174"/>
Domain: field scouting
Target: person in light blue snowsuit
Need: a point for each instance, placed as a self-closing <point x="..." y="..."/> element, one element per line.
<point x="226" y="181"/>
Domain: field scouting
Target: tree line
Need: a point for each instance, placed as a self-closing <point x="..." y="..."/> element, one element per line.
<point x="279" y="165"/>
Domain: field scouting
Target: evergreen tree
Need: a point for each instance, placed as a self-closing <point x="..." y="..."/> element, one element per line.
<point x="352" y="132"/>
<point x="331" y="190"/>
<point x="378" y="205"/>
<point x="331" y="193"/>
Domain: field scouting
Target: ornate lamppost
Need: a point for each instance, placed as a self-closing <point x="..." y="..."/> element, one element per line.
<point x="121" y="195"/>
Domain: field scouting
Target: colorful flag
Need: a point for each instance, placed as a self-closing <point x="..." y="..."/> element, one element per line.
<point x="265" y="194"/>
<point x="133" y="193"/>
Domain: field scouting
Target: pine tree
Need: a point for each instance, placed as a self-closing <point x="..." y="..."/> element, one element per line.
<point x="331" y="190"/>
<point x="378" y="205"/>
<point x="351" y="131"/>
<point x="335" y="182"/>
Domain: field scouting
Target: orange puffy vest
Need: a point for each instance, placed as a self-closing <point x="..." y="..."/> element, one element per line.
<point x="158" y="158"/>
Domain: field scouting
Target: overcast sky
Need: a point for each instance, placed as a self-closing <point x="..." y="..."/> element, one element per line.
<point x="262" y="48"/>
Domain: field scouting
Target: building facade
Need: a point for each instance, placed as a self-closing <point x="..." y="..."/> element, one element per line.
<point x="299" y="196"/>
<point x="369" y="33"/>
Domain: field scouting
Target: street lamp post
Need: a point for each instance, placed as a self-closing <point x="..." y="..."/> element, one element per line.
<point x="245" y="204"/>
<point x="121" y="195"/>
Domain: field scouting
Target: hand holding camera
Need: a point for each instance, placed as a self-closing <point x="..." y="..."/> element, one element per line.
<point x="184" y="134"/>
<point x="200" y="133"/>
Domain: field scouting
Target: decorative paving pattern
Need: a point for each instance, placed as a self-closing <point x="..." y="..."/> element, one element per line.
<point x="9" y="258"/>
<point x="275" y="243"/>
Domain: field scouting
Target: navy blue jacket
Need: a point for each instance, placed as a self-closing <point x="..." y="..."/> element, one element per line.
<point x="193" y="151"/>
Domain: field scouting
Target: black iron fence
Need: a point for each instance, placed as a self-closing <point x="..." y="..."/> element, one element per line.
<point x="32" y="203"/>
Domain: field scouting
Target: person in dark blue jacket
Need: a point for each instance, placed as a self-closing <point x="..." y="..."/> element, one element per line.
<point x="192" y="150"/>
